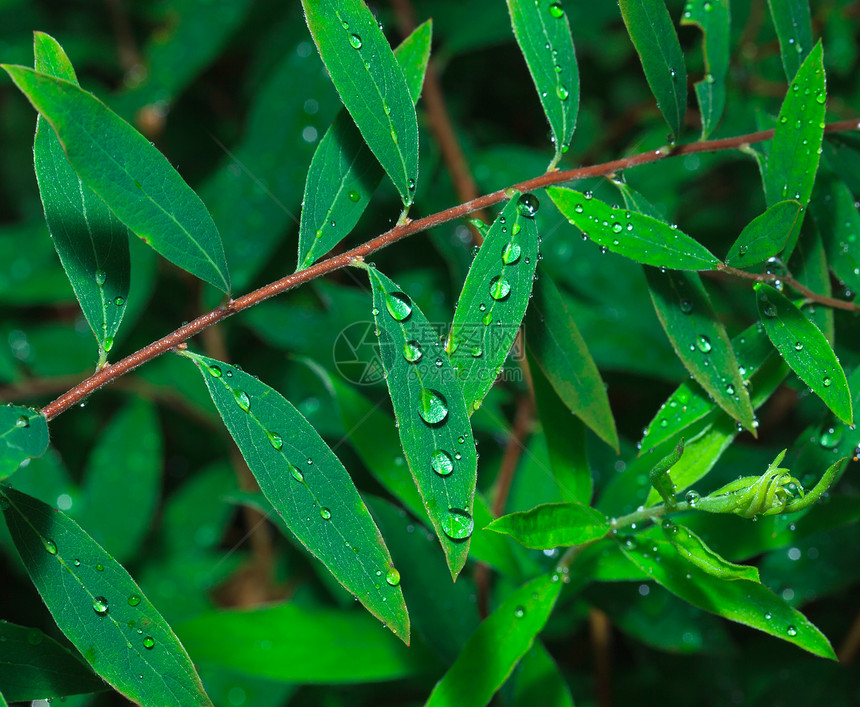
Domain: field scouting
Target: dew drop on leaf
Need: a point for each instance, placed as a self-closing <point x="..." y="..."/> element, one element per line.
<point x="100" y="606"/>
<point x="119" y="301"/>
<point x="50" y="546"/>
<point x="412" y="351"/>
<point x="826" y="382"/>
<point x="134" y="599"/>
<point x="791" y="631"/>
<point x="556" y="10"/>
<point x="22" y="421"/>
<point x="354" y="196"/>
<point x="433" y="408"/>
<point x="275" y="440"/>
<point x="519" y="612"/>
<point x="325" y="513"/>
<point x="296" y="474"/>
<point x="242" y="399"/>
<point x="101" y="278"/>
<point x="214" y="371"/>
<point x="500" y="287"/>
<point x="393" y="577"/>
<point x="398" y="306"/>
<point x="686" y="306"/>
<point x="149" y="643"/>
<point x="441" y="462"/>
<point x="355" y="41"/>
<point x="703" y="343"/>
<point x="511" y="253"/>
<point x="457" y="524"/>
<point x="528" y="204"/>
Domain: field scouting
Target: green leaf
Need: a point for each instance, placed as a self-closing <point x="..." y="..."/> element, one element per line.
<point x="693" y="549"/>
<point x="308" y="487"/>
<point x="700" y="340"/>
<point x="132" y="177"/>
<point x="552" y="525"/>
<point x="343" y="174"/>
<point x="794" y="153"/>
<point x="371" y="85"/>
<point x="805" y="349"/>
<point x="92" y="243"/>
<point x="633" y="235"/>
<point x="24" y="432"/>
<point x="134" y="437"/>
<point x="33" y="666"/>
<point x="558" y="347"/>
<point x="690" y="403"/>
<point x="99" y="607"/>
<point x="539" y="681"/>
<point x="714" y="19"/>
<point x="766" y="235"/>
<point x="496" y="647"/>
<point x="291" y="642"/>
<point x="653" y="34"/>
<point x="494" y="298"/>
<point x="433" y="421"/>
<point x="742" y="601"/>
<point x="794" y="30"/>
<point x="543" y="34"/>
<point x="839" y="224"/>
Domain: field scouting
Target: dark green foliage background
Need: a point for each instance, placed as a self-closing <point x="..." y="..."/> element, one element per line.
<point x="233" y="90"/>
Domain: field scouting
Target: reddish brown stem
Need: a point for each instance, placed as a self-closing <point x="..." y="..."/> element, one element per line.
<point x="109" y="373"/>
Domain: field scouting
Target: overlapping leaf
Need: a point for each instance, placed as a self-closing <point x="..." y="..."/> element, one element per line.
<point x="743" y="601"/>
<point x="543" y="34"/>
<point x="714" y="19"/>
<point x="99" y="606"/>
<point x="496" y="647"/>
<point x="557" y="346"/>
<point x="92" y="243"/>
<point x="553" y="525"/>
<point x="633" y="235"/>
<point x="371" y="85"/>
<point x="433" y="421"/>
<point x="130" y="175"/>
<point x="839" y="225"/>
<point x="805" y="349"/>
<point x="650" y="27"/>
<point x="766" y="235"/>
<point x="343" y="174"/>
<point x="700" y="339"/>
<point x="494" y="298"/>
<point x="794" y="30"/>
<point x="23" y="434"/>
<point x="693" y="549"/>
<point x="308" y="487"/>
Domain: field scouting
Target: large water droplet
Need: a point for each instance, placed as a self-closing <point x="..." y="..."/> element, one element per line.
<point x="149" y="643"/>
<point x="562" y="92"/>
<point x="556" y="10"/>
<point x="50" y="546"/>
<point x="119" y="301"/>
<point x="355" y="41"/>
<point x="393" y="577"/>
<point x="101" y="278"/>
<point x="826" y="382"/>
<point x="500" y="287"/>
<point x="511" y="253"/>
<point x="296" y="474"/>
<point x="214" y="371"/>
<point x="528" y="205"/>
<point x="354" y="196"/>
<point x="134" y="599"/>
<point x="22" y="421"/>
<point x="242" y="399"/>
<point x="519" y="612"/>
<point x="457" y="524"/>
<point x="412" y="351"/>
<point x="441" y="462"/>
<point x="791" y="631"/>
<point x="398" y="306"/>
<point x="703" y="343"/>
<point x="100" y="606"/>
<point x="433" y="408"/>
<point x="325" y="513"/>
<point x="275" y="440"/>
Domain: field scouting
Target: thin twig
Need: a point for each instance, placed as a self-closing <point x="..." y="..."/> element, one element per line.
<point x="183" y="333"/>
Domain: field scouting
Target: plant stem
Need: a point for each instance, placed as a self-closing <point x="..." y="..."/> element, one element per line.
<point x="167" y="343"/>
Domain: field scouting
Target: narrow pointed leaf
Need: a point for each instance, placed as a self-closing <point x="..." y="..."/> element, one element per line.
<point x="130" y="175"/>
<point x="553" y="525"/>
<point x="745" y="602"/>
<point x="653" y="34"/>
<point x="839" y="225"/>
<point x="700" y="340"/>
<point x="308" y="487"/>
<point x="794" y="30"/>
<point x="92" y="243"/>
<point x="33" y="666"/>
<point x="543" y="34"/>
<point x="493" y="300"/>
<point x="24" y="434"/>
<point x="633" y="235"/>
<point x="344" y="174"/>
<point x="794" y="154"/>
<point x="714" y="19"/>
<point x="805" y="349"/>
<point x="766" y="235"/>
<point x="371" y="85"/>
<point x="693" y="549"/>
<point x="433" y="421"/>
<point x="558" y="347"/>
<point x="99" y="607"/>
<point x="496" y="647"/>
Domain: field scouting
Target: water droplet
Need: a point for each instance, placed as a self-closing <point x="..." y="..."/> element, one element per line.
<point x="556" y="10"/>
<point x="22" y="421"/>
<point x="354" y="196"/>
<point x="101" y="278"/>
<point x="562" y="92"/>
<point x="374" y="311"/>
<point x="511" y="253"/>
<point x="355" y="41"/>
<point x="433" y="408"/>
<point x="692" y="498"/>
<point x="411" y="184"/>
<point x="119" y="301"/>
<point x="412" y="351"/>
<point x="791" y="631"/>
<point x="519" y="612"/>
<point x="686" y="306"/>
<point x="50" y="546"/>
<point x="100" y="606"/>
<point x="100" y="567"/>
<point x="798" y="346"/>
<point x="820" y="98"/>
<point x="487" y="318"/>
<point x="457" y="524"/>
<point x="133" y="599"/>
<point x="500" y="287"/>
<point x="528" y="205"/>
<point x="441" y="462"/>
<point x="826" y="382"/>
<point x="398" y="306"/>
<point x="275" y="440"/>
<point x="296" y="474"/>
<point x="617" y="228"/>
<point x="214" y="371"/>
<point x="242" y="399"/>
<point x="393" y="577"/>
<point x="477" y="352"/>
<point x="149" y="643"/>
<point x="325" y="513"/>
<point x="768" y="616"/>
<point x="703" y="343"/>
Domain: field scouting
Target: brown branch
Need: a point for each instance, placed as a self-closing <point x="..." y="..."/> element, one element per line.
<point x="183" y="333"/>
<point x="600" y="630"/>
<point x="795" y="285"/>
